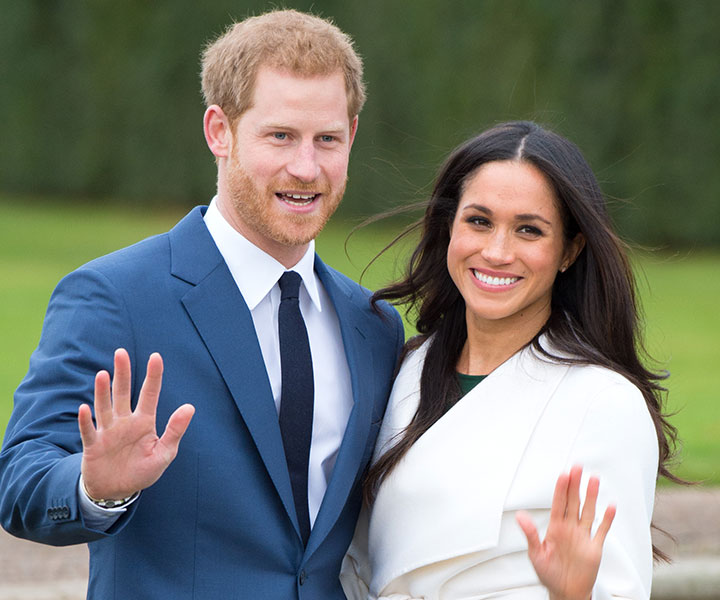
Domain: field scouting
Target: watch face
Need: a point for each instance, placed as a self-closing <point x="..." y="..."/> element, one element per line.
<point x="115" y="503"/>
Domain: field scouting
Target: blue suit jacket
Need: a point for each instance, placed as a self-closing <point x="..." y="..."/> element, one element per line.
<point x="220" y="522"/>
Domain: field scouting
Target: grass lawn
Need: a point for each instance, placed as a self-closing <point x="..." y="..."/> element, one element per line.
<point x="41" y="242"/>
<point x="683" y="326"/>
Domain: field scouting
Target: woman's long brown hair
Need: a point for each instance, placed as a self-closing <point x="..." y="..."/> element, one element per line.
<point x="595" y="312"/>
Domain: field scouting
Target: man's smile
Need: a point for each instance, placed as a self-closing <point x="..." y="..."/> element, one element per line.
<point x="297" y="199"/>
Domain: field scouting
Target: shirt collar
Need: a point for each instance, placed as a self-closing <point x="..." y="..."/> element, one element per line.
<point x="255" y="272"/>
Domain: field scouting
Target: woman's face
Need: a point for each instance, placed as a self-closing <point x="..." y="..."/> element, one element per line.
<point x="507" y="245"/>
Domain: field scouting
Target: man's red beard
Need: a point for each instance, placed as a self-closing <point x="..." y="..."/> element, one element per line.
<point x="261" y="210"/>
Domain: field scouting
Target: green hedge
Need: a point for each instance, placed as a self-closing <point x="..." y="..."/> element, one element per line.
<point x="101" y="99"/>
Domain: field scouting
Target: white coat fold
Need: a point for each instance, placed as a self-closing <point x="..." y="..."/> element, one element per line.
<point x="442" y="526"/>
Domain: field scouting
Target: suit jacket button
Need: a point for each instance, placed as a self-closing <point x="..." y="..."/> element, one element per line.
<point x="302" y="578"/>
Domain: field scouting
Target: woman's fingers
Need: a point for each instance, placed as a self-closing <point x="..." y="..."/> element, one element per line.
<point x="567" y="490"/>
<point x="604" y="526"/>
<point x="573" y="499"/>
<point x="528" y="526"/>
<point x="559" y="502"/>
<point x="588" y="511"/>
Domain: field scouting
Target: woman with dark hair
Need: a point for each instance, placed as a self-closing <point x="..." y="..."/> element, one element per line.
<point x="526" y="363"/>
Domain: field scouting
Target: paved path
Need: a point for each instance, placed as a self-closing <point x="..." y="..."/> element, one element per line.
<point x="31" y="571"/>
<point x="692" y="516"/>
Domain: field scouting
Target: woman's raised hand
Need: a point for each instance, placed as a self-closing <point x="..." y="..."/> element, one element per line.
<point x="567" y="560"/>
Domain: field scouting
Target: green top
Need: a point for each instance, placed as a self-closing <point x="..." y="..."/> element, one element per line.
<point x="468" y="382"/>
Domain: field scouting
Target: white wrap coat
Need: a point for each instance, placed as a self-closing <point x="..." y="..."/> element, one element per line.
<point x="442" y="526"/>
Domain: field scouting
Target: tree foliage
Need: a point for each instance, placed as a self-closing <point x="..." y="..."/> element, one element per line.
<point x="101" y="99"/>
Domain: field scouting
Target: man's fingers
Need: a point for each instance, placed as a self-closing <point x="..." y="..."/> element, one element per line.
<point x="150" y="392"/>
<point x="121" y="383"/>
<point x="559" y="502"/>
<point x="573" y="499"/>
<point x="588" y="512"/>
<point x="85" y="425"/>
<point x="528" y="526"/>
<point x="103" y="404"/>
<point x="604" y="526"/>
<point x="176" y="428"/>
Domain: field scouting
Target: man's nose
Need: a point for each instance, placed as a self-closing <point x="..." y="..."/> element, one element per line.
<point x="304" y="163"/>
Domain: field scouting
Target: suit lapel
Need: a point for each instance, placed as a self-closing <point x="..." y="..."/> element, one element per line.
<point x="347" y="465"/>
<point x="225" y="325"/>
<point x="223" y="321"/>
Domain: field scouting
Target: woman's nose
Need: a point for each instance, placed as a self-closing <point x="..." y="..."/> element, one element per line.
<point x="498" y="248"/>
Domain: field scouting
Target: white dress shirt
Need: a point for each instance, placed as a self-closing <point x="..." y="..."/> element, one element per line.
<point x="256" y="274"/>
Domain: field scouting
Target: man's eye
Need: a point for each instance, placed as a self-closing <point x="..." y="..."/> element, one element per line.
<point x="327" y="138"/>
<point x="278" y="135"/>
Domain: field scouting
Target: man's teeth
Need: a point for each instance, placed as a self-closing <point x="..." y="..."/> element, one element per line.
<point x="494" y="280"/>
<point x="298" y="199"/>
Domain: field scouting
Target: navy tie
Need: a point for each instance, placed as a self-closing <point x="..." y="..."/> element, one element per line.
<point x="297" y="392"/>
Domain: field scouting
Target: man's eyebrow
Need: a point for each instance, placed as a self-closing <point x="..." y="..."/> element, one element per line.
<point x="331" y="127"/>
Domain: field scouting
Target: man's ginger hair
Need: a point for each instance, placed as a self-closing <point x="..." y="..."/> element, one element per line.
<point x="287" y="40"/>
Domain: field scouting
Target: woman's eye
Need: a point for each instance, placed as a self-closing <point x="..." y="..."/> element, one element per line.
<point x="478" y="221"/>
<point x="530" y="229"/>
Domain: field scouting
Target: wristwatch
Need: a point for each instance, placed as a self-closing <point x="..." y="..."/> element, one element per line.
<point x="103" y="503"/>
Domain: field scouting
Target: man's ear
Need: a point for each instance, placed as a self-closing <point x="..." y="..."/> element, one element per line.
<point x="353" y="129"/>
<point x="218" y="133"/>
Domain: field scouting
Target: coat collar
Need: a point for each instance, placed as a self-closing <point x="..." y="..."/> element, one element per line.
<point x="474" y="449"/>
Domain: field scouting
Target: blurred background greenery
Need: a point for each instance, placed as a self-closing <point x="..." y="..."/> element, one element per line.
<point x="102" y="141"/>
<point x="101" y="99"/>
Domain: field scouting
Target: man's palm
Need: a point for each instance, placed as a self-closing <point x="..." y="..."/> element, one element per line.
<point x="124" y="454"/>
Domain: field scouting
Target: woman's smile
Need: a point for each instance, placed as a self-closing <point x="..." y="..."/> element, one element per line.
<point x="495" y="281"/>
<point x="507" y="245"/>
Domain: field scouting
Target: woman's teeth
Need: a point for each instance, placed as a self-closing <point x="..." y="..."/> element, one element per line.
<point x="487" y="279"/>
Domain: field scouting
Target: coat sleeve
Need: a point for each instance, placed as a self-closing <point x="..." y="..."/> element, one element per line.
<point x="356" y="573"/>
<point x="617" y="442"/>
<point x="40" y="460"/>
<point x="356" y="570"/>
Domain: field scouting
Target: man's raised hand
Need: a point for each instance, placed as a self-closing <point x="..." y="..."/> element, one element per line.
<point x="123" y="454"/>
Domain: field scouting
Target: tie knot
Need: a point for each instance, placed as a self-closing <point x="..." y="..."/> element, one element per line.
<point x="290" y="285"/>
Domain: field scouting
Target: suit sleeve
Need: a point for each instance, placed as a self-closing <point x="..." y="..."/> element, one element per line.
<point x="40" y="460"/>
<point x="618" y="443"/>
